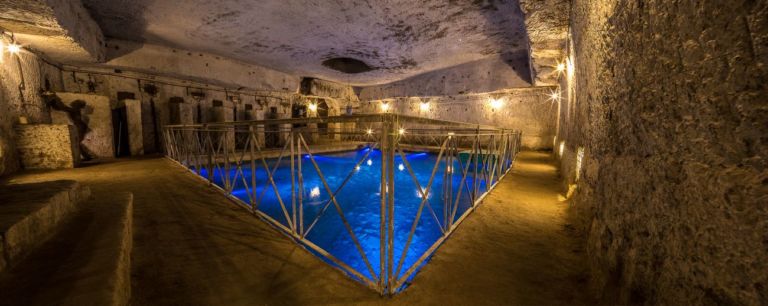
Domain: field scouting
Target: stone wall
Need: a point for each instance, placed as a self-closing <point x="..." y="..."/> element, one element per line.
<point x="24" y="76"/>
<point x="485" y="75"/>
<point x="527" y="109"/>
<point x="97" y="114"/>
<point x="21" y="79"/>
<point x="47" y="146"/>
<point x="669" y="101"/>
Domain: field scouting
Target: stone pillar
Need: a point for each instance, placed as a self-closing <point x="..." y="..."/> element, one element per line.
<point x="220" y="113"/>
<point x="135" y="128"/>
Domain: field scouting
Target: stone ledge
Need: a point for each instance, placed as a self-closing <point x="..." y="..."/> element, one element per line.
<point x="86" y="263"/>
<point x="31" y="213"/>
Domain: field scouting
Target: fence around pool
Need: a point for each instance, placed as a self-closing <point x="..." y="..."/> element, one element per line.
<point x="374" y="195"/>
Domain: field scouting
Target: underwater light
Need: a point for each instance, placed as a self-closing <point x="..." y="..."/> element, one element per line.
<point x="314" y="193"/>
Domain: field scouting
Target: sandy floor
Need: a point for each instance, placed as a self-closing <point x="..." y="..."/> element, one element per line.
<point x="193" y="247"/>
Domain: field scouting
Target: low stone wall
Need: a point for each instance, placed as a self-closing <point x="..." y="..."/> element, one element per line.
<point x="47" y="146"/>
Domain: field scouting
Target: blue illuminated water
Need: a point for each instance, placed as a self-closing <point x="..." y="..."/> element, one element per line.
<point x="360" y="202"/>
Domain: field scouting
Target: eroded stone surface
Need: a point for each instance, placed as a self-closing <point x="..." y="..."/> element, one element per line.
<point x="547" y="25"/>
<point x="529" y="110"/>
<point x="395" y="37"/>
<point x="47" y="146"/>
<point x="63" y="29"/>
<point x="670" y="104"/>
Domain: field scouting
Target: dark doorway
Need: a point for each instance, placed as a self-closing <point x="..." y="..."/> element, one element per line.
<point x="299" y="111"/>
<point x="271" y="136"/>
<point x="120" y="132"/>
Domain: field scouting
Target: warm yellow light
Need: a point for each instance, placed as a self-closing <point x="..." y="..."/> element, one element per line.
<point x="14" y="48"/>
<point x="401" y="131"/>
<point x="424" y="106"/>
<point x="560" y="67"/>
<point x="554" y="96"/>
<point x="496" y="103"/>
<point x="384" y="107"/>
<point x="579" y="160"/>
<point x="369" y="132"/>
<point x="562" y="148"/>
<point x="569" y="65"/>
<point x="312" y="107"/>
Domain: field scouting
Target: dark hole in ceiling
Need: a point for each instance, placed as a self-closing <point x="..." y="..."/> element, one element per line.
<point x="347" y="65"/>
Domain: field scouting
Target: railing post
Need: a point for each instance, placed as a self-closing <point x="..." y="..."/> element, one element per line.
<point x="210" y="153"/>
<point x="252" y="135"/>
<point x="383" y="208"/>
<point x="293" y="180"/>
<point x="391" y="132"/>
<point x="475" y="183"/>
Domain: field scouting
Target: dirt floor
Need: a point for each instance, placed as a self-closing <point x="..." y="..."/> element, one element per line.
<point x="193" y="247"/>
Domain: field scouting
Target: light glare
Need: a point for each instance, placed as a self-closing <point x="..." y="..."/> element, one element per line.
<point x="496" y="103"/>
<point x="424" y="106"/>
<point x="14" y="48"/>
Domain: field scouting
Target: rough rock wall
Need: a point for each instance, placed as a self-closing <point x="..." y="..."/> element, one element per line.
<point x="97" y="114"/>
<point x="485" y="75"/>
<point x="22" y="81"/>
<point x="21" y="78"/>
<point x="671" y="107"/>
<point x="527" y="109"/>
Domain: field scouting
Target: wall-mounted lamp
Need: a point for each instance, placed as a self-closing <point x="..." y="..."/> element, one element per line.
<point x="369" y="132"/>
<point x="313" y="107"/>
<point x="384" y="107"/>
<point x="14" y="48"/>
<point x="424" y="107"/>
<point x="496" y="103"/>
<point x="554" y="96"/>
<point x="562" y="148"/>
<point x="401" y="131"/>
<point x="560" y="68"/>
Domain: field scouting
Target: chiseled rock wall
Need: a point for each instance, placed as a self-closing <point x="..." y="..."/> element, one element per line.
<point x="97" y="114"/>
<point x="47" y="146"/>
<point x="672" y="109"/>
<point x="22" y="77"/>
<point x="528" y="109"/>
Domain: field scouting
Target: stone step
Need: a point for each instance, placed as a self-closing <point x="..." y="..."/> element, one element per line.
<point x="31" y="213"/>
<point x="87" y="262"/>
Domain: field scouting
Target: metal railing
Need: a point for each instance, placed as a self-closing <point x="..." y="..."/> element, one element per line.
<point x="235" y="156"/>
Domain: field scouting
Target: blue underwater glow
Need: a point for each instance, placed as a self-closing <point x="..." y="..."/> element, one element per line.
<point x="360" y="202"/>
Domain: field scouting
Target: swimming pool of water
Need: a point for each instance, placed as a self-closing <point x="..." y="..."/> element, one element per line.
<point x="360" y="202"/>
